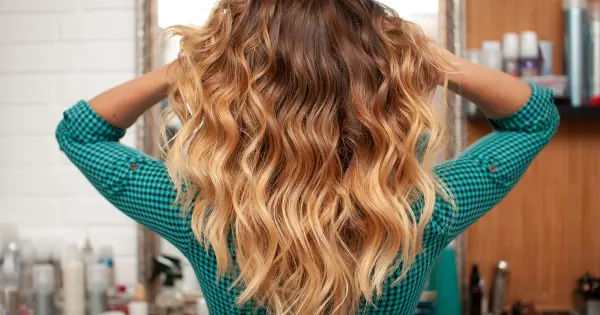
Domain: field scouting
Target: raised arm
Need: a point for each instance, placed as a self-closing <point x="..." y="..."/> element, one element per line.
<point x="135" y="183"/>
<point x="524" y="118"/>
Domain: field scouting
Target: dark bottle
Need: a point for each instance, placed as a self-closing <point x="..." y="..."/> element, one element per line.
<point x="517" y="309"/>
<point x="475" y="293"/>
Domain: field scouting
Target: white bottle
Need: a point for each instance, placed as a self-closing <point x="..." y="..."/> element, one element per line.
<point x="26" y="287"/>
<point x="97" y="286"/>
<point x="510" y="54"/>
<point x="11" y="267"/>
<point x="529" y="58"/>
<point x="73" y="272"/>
<point x="492" y="55"/>
<point x="138" y="308"/>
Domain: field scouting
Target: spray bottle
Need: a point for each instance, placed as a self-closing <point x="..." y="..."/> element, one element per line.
<point x="574" y="46"/>
<point x="44" y="283"/>
<point x="73" y="273"/>
<point x="11" y="279"/>
<point x="170" y="300"/>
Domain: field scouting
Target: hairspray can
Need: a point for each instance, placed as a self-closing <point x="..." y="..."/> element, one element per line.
<point x="574" y="49"/>
<point x="593" y="53"/>
<point x="546" y="57"/>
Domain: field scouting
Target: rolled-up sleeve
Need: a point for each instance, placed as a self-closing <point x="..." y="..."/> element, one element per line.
<point x="486" y="172"/>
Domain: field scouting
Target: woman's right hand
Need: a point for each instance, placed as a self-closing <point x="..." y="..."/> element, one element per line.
<point x="447" y="61"/>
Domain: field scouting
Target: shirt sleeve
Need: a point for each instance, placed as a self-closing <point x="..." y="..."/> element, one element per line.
<point x="486" y="172"/>
<point x="133" y="182"/>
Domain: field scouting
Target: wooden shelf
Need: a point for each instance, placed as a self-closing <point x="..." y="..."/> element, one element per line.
<point x="564" y="108"/>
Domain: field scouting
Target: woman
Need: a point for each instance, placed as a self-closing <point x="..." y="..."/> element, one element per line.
<point x="301" y="179"/>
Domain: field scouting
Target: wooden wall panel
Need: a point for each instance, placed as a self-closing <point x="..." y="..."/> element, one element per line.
<point x="548" y="228"/>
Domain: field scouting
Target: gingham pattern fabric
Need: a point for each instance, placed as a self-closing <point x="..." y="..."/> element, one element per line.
<point x="478" y="179"/>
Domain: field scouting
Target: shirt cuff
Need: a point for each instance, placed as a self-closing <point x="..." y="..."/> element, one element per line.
<point x="84" y="124"/>
<point x="535" y="115"/>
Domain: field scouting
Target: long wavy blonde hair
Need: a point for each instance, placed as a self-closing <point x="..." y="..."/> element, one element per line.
<point x="301" y="123"/>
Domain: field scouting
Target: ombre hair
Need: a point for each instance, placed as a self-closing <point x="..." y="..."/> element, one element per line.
<point x="301" y="123"/>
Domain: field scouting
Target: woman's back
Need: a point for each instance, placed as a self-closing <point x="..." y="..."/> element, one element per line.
<point x="305" y="158"/>
<point x="478" y="180"/>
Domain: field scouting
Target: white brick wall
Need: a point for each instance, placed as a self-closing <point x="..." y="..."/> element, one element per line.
<point x="53" y="53"/>
<point x="37" y="6"/>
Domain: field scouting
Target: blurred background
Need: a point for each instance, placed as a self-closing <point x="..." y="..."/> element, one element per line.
<point x="538" y="251"/>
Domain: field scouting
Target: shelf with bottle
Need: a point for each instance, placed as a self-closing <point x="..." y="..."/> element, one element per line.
<point x="565" y="110"/>
<point x="558" y="84"/>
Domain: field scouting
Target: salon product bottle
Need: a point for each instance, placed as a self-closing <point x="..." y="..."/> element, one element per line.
<point x="26" y="287"/>
<point x="43" y="279"/>
<point x="11" y="267"/>
<point x="138" y="308"/>
<point x="10" y="297"/>
<point x="97" y="285"/>
<point x="106" y="258"/>
<point x="510" y="54"/>
<point x="546" y="57"/>
<point x="499" y="288"/>
<point x="516" y="309"/>
<point x="118" y="298"/>
<point x="11" y="271"/>
<point x="593" y="53"/>
<point x="170" y="300"/>
<point x="574" y="49"/>
<point x="492" y="54"/>
<point x="73" y="272"/>
<point x="59" y="248"/>
<point x="529" y="56"/>
<point x="475" y="292"/>
<point x="484" y="298"/>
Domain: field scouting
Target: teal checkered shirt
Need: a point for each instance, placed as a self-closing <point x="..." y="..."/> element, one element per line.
<point x="478" y="179"/>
